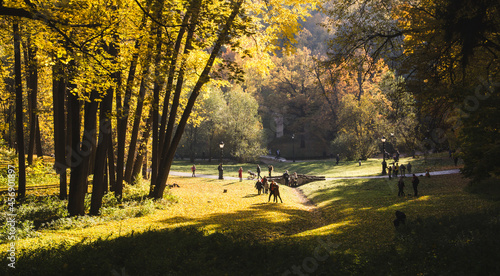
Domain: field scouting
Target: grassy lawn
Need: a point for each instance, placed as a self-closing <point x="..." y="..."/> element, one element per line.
<point x="366" y="208"/>
<point x="343" y="227"/>
<point x="327" y="168"/>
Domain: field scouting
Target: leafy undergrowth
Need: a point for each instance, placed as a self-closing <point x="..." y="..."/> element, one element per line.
<point x="236" y="232"/>
<point x="47" y="212"/>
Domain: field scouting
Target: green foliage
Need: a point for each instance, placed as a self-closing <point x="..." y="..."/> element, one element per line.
<point x="41" y="209"/>
<point x="49" y="212"/>
<point x="360" y="124"/>
<point x="479" y="139"/>
<point x="24" y="229"/>
<point x="41" y="172"/>
<point x="230" y="116"/>
<point x="7" y="154"/>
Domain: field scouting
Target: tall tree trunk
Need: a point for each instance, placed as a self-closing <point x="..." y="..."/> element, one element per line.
<point x="101" y="155"/>
<point x="135" y="128"/>
<point x="19" y="113"/>
<point x="161" y="138"/>
<point x="58" y="95"/>
<point x="76" y="196"/>
<point x="143" y="148"/>
<point x="145" y="173"/>
<point x="10" y="113"/>
<point x="111" y="164"/>
<point x="100" y="169"/>
<point x="89" y="135"/>
<point x="156" y="96"/>
<point x="32" y="71"/>
<point x="122" y="111"/>
<point x="80" y="170"/>
<point x="123" y="108"/>
<point x="164" y="144"/>
<point x="105" y="187"/>
<point x="38" y="138"/>
<point x="171" y="75"/>
<point x="167" y="154"/>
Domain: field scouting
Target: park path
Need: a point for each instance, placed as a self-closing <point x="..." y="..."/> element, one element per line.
<point x="445" y="172"/>
<point x="188" y="174"/>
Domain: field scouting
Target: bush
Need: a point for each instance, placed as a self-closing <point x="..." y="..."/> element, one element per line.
<point x="49" y="212"/>
<point x="353" y="148"/>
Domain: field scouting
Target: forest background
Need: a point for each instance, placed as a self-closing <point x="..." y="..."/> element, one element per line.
<point x="111" y="88"/>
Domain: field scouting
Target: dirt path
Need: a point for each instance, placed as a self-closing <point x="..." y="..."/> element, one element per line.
<point x="316" y="213"/>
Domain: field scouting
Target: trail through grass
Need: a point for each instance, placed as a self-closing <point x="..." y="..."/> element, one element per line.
<point x="327" y="168"/>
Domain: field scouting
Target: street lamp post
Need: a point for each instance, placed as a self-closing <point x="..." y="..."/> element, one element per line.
<point x="384" y="164"/>
<point x="221" y="171"/>
<point x="293" y="147"/>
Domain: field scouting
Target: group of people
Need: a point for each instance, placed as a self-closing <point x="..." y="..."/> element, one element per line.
<point x="270" y="187"/>
<point x="396" y="170"/>
<point x="291" y="180"/>
<point x="401" y="185"/>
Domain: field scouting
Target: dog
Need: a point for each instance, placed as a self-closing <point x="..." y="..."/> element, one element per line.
<point x="174" y="185"/>
<point x="252" y="174"/>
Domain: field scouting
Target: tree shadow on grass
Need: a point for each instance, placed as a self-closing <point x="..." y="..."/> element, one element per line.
<point x="455" y="245"/>
<point x="181" y="251"/>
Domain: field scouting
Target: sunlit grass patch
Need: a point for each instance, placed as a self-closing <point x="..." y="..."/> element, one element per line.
<point x="369" y="206"/>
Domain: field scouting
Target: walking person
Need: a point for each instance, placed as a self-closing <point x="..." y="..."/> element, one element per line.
<point x="390" y="172"/>
<point x="193" y="169"/>
<point x="408" y="167"/>
<point x="240" y="174"/>
<point x="401" y="186"/>
<point x="277" y="193"/>
<point x="258" y="171"/>
<point x="270" y="168"/>
<point x="415" y="181"/>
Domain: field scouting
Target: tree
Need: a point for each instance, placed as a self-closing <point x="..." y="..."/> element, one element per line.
<point x="400" y="112"/>
<point x="230" y="116"/>
<point x="362" y="111"/>
<point x="360" y="124"/>
<point x="454" y="50"/>
<point x="19" y="112"/>
<point x="88" y="45"/>
<point x="171" y="142"/>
